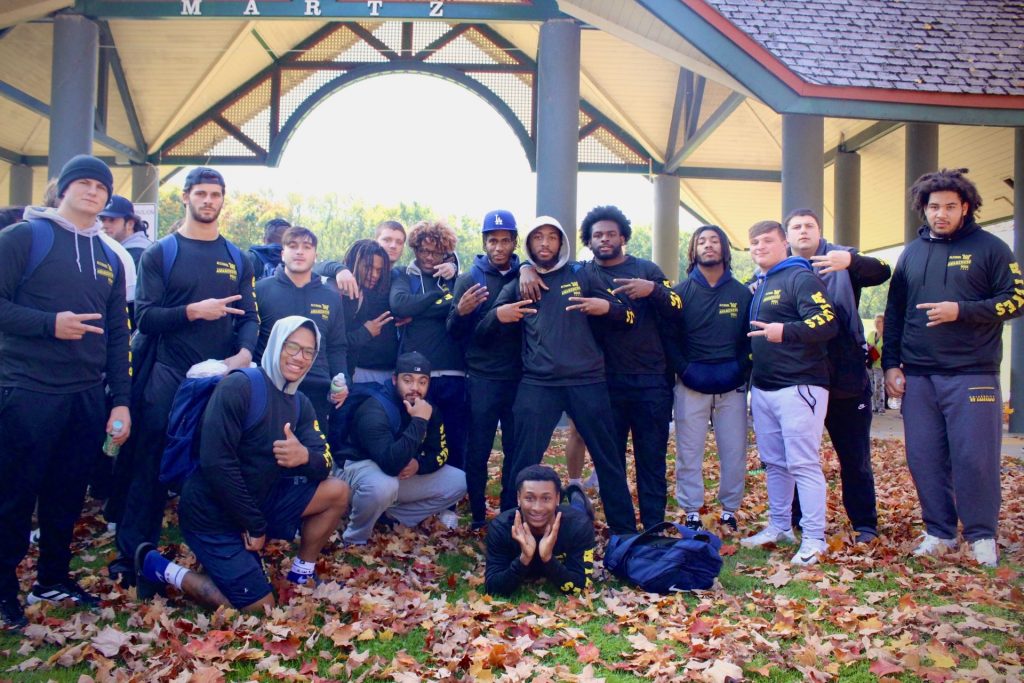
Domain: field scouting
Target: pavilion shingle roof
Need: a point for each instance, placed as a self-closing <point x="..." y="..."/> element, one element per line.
<point x="948" y="46"/>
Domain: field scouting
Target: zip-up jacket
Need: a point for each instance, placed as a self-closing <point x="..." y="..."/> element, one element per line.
<point x="493" y="357"/>
<point x="202" y="270"/>
<point x="136" y="244"/>
<point x="712" y="335"/>
<point x="790" y="293"/>
<point x="371" y="438"/>
<point x="365" y="350"/>
<point x="237" y="469"/>
<point x="638" y="350"/>
<point x="847" y="351"/>
<point x="973" y="268"/>
<point x="427" y="300"/>
<point x="278" y="297"/>
<point x="572" y="560"/>
<point x="31" y="357"/>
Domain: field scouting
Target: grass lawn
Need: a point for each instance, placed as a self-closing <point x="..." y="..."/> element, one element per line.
<point x="410" y="607"/>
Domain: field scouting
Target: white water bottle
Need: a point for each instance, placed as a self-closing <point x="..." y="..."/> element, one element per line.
<point x="338" y="383"/>
<point x="896" y="402"/>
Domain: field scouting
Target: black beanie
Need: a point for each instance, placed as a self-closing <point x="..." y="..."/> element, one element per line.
<point x="85" y="166"/>
<point x="414" y="362"/>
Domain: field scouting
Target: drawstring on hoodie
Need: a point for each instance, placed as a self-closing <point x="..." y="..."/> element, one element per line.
<point x="51" y="215"/>
<point x="809" y="399"/>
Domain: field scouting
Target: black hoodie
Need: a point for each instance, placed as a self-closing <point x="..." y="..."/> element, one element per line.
<point x="790" y="293"/>
<point x="559" y="347"/>
<point x="973" y="268"/>
<point x="427" y="300"/>
<point x="494" y="357"/>
<point x="278" y="297"/>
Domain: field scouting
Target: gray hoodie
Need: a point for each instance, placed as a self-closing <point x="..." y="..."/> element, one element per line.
<point x="271" y="362"/>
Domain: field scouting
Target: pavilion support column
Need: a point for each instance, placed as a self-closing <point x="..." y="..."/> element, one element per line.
<point x="803" y="163"/>
<point x="922" y="156"/>
<point x="76" y="46"/>
<point x="21" y="185"/>
<point x="1017" y="336"/>
<point x="145" y="184"/>
<point x="847" y="200"/>
<point x="665" y="247"/>
<point x="558" y="104"/>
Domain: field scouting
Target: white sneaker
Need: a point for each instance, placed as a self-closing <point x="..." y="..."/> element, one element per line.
<point x="767" y="535"/>
<point x="810" y="549"/>
<point x="985" y="552"/>
<point x="449" y="519"/>
<point x="933" y="545"/>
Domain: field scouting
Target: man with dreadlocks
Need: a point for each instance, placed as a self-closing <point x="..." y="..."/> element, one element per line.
<point x="952" y="290"/>
<point x="710" y="353"/>
<point x="372" y="342"/>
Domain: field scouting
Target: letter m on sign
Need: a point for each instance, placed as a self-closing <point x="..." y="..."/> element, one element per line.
<point x="191" y="7"/>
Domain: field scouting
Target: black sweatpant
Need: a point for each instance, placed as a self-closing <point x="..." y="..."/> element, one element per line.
<point x="48" y="443"/>
<point x="490" y="401"/>
<point x="538" y="409"/>
<point x="448" y="393"/>
<point x="646" y="412"/>
<point x="848" y="422"/>
<point x="146" y="497"/>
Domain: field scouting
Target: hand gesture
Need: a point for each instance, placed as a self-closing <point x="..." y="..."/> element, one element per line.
<point x="590" y="305"/>
<point x="239" y="360"/>
<point x="253" y="544"/>
<point x="120" y="413"/>
<point x="527" y="543"/>
<point x="531" y="284"/>
<point x="289" y="452"/>
<point x="213" y="309"/>
<point x="445" y="271"/>
<point x="832" y="262"/>
<point x="374" y="326"/>
<point x="410" y="469"/>
<point x="471" y="298"/>
<point x="420" y="409"/>
<point x="547" y="542"/>
<point x="71" y="326"/>
<point x="942" y="312"/>
<point x="347" y="284"/>
<point x="633" y="287"/>
<point x="770" y="331"/>
<point x="895" y="382"/>
<point x="513" y="313"/>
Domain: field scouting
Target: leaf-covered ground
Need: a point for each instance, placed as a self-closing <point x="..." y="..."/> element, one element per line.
<point x="410" y="607"/>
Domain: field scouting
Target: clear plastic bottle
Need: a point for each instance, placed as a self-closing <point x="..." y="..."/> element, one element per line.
<point x="896" y="402"/>
<point x="338" y="383"/>
<point x="109" y="447"/>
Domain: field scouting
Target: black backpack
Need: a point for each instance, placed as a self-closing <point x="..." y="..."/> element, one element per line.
<point x="665" y="564"/>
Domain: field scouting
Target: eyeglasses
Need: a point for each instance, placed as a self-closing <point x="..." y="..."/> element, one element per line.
<point x="430" y="252"/>
<point x="293" y="349"/>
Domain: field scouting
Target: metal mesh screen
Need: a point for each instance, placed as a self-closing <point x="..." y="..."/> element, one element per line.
<point x="601" y="147"/>
<point x="298" y="85"/>
<point x="515" y="90"/>
<point x="242" y="112"/>
<point x="199" y="142"/>
<point x="426" y="32"/>
<point x="584" y="118"/>
<point x="389" y="33"/>
<point x="230" y="147"/>
<point x="327" y="49"/>
<point x="462" y="50"/>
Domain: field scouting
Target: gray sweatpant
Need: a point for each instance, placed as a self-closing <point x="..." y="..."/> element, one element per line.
<point x="787" y="425"/>
<point x="953" y="428"/>
<point x="729" y="417"/>
<point x="410" y="501"/>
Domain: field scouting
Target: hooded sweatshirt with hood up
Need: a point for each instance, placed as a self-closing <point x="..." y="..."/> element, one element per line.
<point x="237" y="470"/>
<point x="559" y="347"/>
<point x="790" y="293"/>
<point x="971" y="267"/>
<point x="493" y="357"/>
<point x="73" y="276"/>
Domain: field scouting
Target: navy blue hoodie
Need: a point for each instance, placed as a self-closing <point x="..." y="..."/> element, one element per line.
<point x="427" y="300"/>
<point x="494" y="356"/>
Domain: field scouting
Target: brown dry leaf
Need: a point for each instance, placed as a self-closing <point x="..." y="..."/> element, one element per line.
<point x="722" y="671"/>
<point x="780" y="578"/>
<point x="109" y="641"/>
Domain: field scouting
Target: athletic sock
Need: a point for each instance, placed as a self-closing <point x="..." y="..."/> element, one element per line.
<point x="158" y="568"/>
<point x="303" y="568"/>
<point x="578" y="482"/>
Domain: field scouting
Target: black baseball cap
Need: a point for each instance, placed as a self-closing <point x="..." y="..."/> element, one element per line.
<point x="203" y="174"/>
<point x="412" y="362"/>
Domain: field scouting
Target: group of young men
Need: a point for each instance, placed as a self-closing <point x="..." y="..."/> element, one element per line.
<point x="363" y="393"/>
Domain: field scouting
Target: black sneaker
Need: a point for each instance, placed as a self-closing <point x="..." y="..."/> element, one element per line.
<point x="478" y="525"/>
<point x="576" y="498"/>
<point x="66" y="590"/>
<point x="12" y="615"/>
<point x="864" y="537"/>
<point x="693" y="521"/>
<point x="727" y="519"/>
<point x="145" y="588"/>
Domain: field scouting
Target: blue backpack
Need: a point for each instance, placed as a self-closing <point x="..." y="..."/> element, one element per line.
<point x="339" y="425"/>
<point x="181" y="454"/>
<point x="42" y="243"/>
<point x="665" y="564"/>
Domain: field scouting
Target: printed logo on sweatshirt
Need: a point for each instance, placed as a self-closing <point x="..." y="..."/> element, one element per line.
<point x="442" y="455"/>
<point x="322" y="310"/>
<point x="825" y="316"/>
<point x="105" y="270"/>
<point x="731" y="309"/>
<point x="963" y="261"/>
<point x="772" y="297"/>
<point x="572" y="289"/>
<point x="1010" y="306"/>
<point x="226" y="268"/>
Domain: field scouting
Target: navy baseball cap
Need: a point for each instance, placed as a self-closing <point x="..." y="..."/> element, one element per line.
<point x="203" y="174"/>
<point x="499" y="220"/>
<point x="119" y="207"/>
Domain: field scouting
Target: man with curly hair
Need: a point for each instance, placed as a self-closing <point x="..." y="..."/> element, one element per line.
<point x="952" y="290"/>
<point x="423" y="292"/>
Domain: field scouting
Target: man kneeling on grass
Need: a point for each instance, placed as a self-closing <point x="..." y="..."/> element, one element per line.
<point x="541" y="538"/>
<point x="254" y="483"/>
